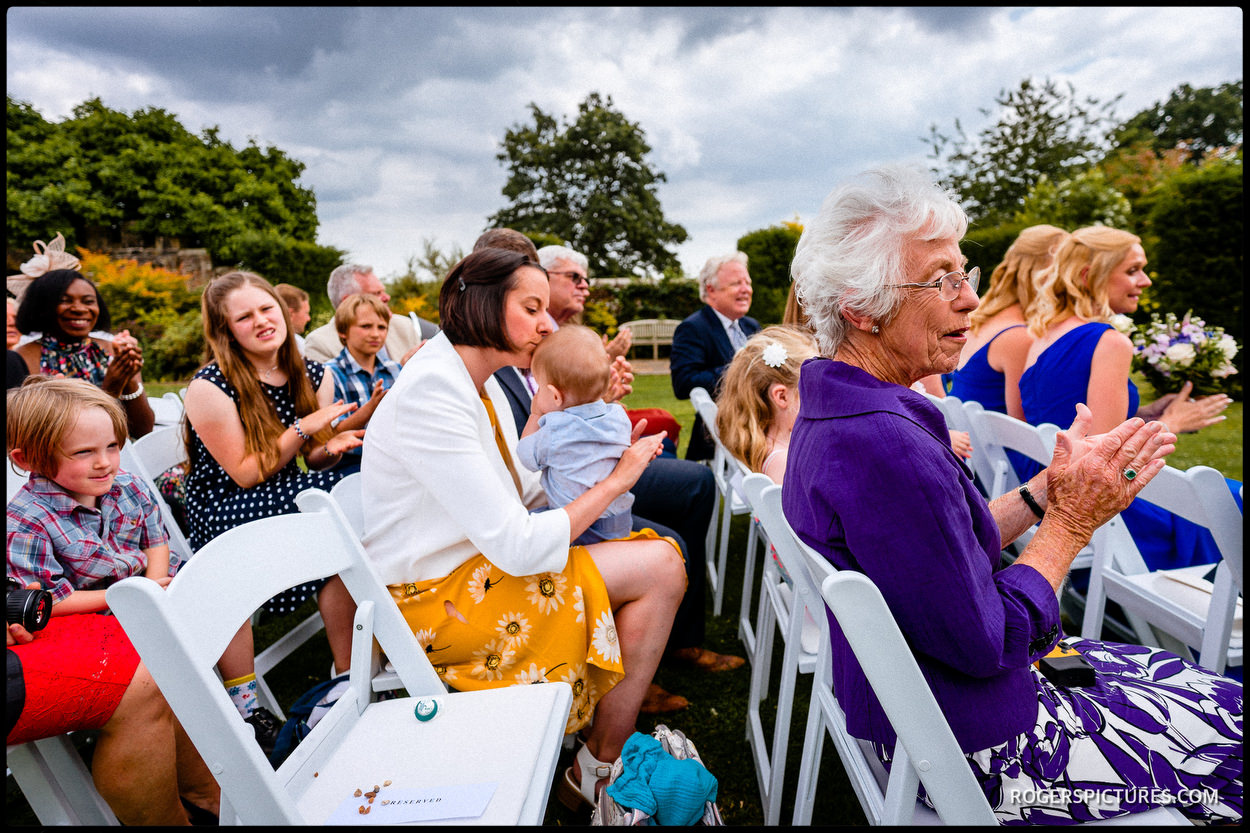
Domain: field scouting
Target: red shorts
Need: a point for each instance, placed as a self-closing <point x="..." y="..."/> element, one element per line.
<point x="75" y="672"/>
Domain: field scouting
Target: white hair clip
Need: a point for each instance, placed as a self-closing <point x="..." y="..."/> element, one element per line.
<point x="775" y="354"/>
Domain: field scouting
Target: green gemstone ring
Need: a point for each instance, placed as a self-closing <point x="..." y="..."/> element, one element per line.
<point x="1129" y="474"/>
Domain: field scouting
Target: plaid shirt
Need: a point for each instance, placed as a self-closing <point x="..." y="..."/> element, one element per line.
<point x="55" y="540"/>
<point x="353" y="384"/>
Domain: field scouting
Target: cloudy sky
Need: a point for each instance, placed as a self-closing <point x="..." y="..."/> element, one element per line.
<point x="753" y="114"/>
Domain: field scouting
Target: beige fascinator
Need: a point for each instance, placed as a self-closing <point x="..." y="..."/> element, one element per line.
<point x="48" y="257"/>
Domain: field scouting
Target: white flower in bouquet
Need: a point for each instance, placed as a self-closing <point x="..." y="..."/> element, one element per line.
<point x="1181" y="355"/>
<point x="1228" y="346"/>
<point x="1122" y="323"/>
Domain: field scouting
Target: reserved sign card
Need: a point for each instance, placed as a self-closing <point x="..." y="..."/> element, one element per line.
<point x="404" y="806"/>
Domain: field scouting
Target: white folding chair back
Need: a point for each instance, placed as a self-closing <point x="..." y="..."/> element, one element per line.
<point x="16" y="479"/>
<point x="786" y="606"/>
<point x="347" y="493"/>
<point x="148" y="457"/>
<point x="1184" y="609"/>
<point x="180" y="632"/>
<point x="999" y="433"/>
<point x="167" y="409"/>
<point x="729" y="504"/>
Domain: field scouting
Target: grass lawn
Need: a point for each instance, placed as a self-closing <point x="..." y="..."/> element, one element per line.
<point x="716" y="719"/>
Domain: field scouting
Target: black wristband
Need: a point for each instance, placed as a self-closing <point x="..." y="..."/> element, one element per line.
<point x="1028" y="499"/>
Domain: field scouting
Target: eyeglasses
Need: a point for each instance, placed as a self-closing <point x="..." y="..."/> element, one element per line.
<point x="948" y="285"/>
<point x="575" y="277"/>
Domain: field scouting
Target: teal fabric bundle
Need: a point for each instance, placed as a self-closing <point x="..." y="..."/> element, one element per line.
<point x="672" y="792"/>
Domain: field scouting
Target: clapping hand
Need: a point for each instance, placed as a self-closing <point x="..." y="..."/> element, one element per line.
<point x="1088" y="479"/>
<point x="621" y="383"/>
<point x="619" y="345"/>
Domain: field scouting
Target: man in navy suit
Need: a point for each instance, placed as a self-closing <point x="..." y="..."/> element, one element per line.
<point x="673" y="497"/>
<point x="705" y="343"/>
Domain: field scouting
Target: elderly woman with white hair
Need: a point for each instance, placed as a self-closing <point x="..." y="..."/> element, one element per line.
<point x="874" y="487"/>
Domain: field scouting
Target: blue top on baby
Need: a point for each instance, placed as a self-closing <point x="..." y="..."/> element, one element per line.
<point x="575" y="449"/>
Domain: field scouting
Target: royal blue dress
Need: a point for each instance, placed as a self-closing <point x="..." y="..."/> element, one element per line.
<point x="977" y="382"/>
<point x="1049" y="391"/>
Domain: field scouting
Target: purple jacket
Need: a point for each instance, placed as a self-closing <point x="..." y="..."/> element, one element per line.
<point x="872" y="484"/>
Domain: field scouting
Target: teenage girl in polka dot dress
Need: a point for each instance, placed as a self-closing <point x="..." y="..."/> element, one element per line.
<point x="251" y="413"/>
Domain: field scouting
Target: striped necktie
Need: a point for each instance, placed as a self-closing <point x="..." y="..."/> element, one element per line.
<point x="737" y="338"/>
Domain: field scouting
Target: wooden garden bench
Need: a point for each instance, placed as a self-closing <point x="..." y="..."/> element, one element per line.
<point x="652" y="332"/>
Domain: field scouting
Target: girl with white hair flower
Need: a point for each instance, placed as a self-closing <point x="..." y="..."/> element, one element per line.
<point x="759" y="397"/>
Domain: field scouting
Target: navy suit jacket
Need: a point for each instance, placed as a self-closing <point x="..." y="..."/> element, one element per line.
<point x="701" y="352"/>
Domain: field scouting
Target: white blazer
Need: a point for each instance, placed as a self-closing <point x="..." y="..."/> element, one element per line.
<point x="436" y="491"/>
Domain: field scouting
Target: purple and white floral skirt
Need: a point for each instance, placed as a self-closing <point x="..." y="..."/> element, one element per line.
<point x="1154" y="731"/>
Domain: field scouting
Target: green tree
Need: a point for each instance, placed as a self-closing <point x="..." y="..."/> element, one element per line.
<point x="1041" y="129"/>
<point x="769" y="253"/>
<point x="1195" y="241"/>
<point x="588" y="183"/>
<point x="102" y="177"/>
<point x="1197" y="121"/>
<point x="1082" y="200"/>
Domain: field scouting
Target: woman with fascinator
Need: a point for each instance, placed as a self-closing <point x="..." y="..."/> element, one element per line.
<point x="72" y="320"/>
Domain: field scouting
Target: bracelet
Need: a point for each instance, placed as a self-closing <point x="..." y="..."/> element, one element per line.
<point x="127" y="397"/>
<point x="1030" y="501"/>
<point x="299" y="432"/>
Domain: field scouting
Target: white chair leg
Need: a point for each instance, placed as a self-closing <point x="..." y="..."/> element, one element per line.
<point x="722" y="556"/>
<point x="746" y="632"/>
<point x="56" y="783"/>
<point x="809" y="762"/>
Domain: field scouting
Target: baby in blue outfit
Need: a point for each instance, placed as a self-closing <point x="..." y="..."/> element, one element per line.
<point x="573" y="437"/>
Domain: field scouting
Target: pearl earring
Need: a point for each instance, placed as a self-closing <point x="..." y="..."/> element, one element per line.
<point x="876" y="330"/>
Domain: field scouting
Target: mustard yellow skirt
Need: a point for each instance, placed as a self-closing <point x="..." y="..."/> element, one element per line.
<point x="517" y="630"/>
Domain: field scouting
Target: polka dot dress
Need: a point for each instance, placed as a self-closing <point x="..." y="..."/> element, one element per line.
<point x="215" y="503"/>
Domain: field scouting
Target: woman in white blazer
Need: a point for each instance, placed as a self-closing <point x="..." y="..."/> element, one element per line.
<point x="496" y="594"/>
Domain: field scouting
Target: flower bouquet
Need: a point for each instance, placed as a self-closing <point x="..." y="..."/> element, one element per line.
<point x="1171" y="351"/>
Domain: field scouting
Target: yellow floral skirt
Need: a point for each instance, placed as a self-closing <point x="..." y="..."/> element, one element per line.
<point x="517" y="630"/>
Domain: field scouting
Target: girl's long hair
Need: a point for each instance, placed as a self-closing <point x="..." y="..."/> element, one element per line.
<point x="261" y="426"/>
<point x="743" y="411"/>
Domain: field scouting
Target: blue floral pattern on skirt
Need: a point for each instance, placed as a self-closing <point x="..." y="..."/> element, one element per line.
<point x="1154" y="730"/>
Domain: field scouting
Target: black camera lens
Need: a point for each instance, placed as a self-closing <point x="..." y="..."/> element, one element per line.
<point x="29" y="608"/>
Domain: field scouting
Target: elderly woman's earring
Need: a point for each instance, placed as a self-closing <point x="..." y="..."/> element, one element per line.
<point x="875" y="330"/>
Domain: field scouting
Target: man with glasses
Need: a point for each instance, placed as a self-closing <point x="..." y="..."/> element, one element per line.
<point x="705" y="343"/>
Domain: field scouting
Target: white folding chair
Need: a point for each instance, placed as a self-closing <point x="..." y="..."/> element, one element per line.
<point x="348" y="495"/>
<point x="507" y="737"/>
<point x="1183" y="609"/>
<point x="729" y="504"/>
<point x="926" y="751"/>
<point x="15" y="478"/>
<point x="56" y="783"/>
<point x="166" y="409"/>
<point x="787" y="607"/>
<point x="149" y="456"/>
<point x="957" y="419"/>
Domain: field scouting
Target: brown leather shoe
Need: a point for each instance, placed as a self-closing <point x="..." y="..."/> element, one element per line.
<point x="659" y="701"/>
<point x="706" y="660"/>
